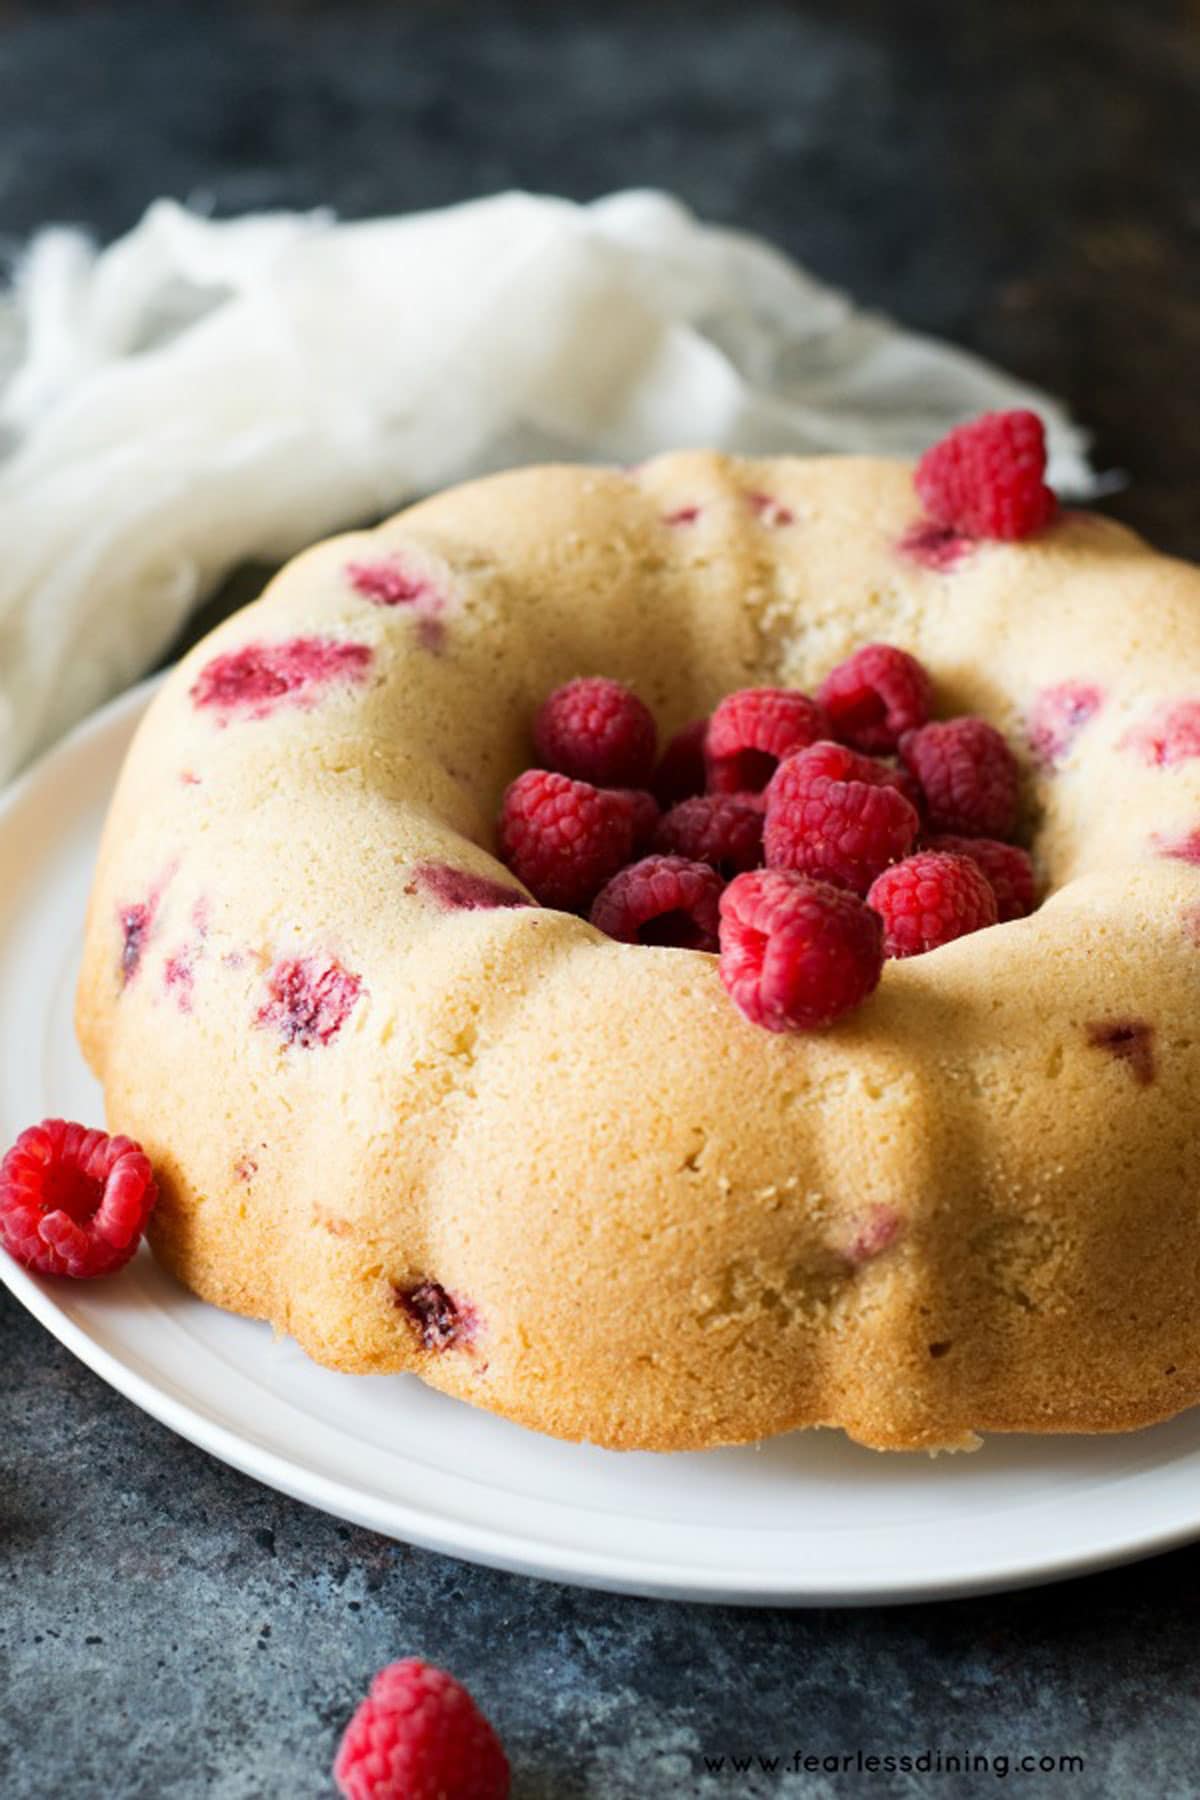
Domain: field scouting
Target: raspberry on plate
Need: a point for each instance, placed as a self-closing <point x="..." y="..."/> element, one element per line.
<point x="681" y="770"/>
<point x="796" y="954"/>
<point x="930" y="899"/>
<point x="968" y="775"/>
<point x="837" y="816"/>
<point x="988" y="478"/>
<point x="1007" y="867"/>
<point x="74" y="1201"/>
<point x="597" y="730"/>
<point x="719" y="829"/>
<point x="875" y="696"/>
<point x="661" y="900"/>
<point x="564" y="838"/>
<point x="752" y="731"/>
<point x="418" y="1735"/>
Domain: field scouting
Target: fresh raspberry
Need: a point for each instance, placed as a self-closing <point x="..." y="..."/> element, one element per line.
<point x="1059" y="714"/>
<point x="645" y="817"/>
<point x="753" y="730"/>
<point x="564" y="838"/>
<point x="661" y="900"/>
<point x="837" y="816"/>
<point x="1171" y="736"/>
<point x="718" y="829"/>
<point x="989" y="478"/>
<point x="796" y="954"/>
<point x="875" y="696"/>
<point x="596" y="730"/>
<point x="1007" y="867"/>
<point x="681" y="771"/>
<point x="419" y="1736"/>
<point x="74" y="1201"/>
<point x="968" y="775"/>
<point x="929" y="899"/>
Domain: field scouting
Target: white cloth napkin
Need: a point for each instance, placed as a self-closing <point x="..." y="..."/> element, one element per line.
<point x="204" y="392"/>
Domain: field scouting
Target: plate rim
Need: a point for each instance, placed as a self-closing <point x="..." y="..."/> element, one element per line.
<point x="505" y="1548"/>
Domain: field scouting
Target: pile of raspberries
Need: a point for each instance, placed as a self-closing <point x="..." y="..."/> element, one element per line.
<point x="805" y="838"/>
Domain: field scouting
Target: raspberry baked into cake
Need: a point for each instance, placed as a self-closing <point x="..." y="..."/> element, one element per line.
<point x="674" y="955"/>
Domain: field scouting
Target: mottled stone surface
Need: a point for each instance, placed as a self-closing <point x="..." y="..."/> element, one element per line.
<point x="1021" y="178"/>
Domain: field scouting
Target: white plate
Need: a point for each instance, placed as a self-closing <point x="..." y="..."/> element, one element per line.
<point x="803" y="1520"/>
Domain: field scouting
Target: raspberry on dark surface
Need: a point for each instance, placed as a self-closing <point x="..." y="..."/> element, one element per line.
<point x="796" y="954"/>
<point x="564" y="839"/>
<point x="837" y="816"/>
<point x="441" y="1320"/>
<point x="74" y="1201"/>
<point x="256" y="680"/>
<point x="1008" y="868"/>
<point x="875" y="696"/>
<point x="930" y="899"/>
<point x="988" y="478"/>
<point x="968" y="775"/>
<point x="1170" y="736"/>
<point x="461" y="890"/>
<point x="1058" y="716"/>
<point x="597" y="730"/>
<point x="419" y="1735"/>
<point x="308" y="1000"/>
<point x="682" y="770"/>
<point x="753" y="730"/>
<point x="663" y="900"/>
<point x="718" y="829"/>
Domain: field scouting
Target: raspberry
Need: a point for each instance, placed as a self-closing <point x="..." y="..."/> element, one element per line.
<point x="796" y="954"/>
<point x="74" y="1201"/>
<point x="681" y="771"/>
<point x="441" y="1319"/>
<point x="1171" y="736"/>
<point x="419" y="1736"/>
<point x="929" y="899"/>
<point x="661" y="900"/>
<point x="1059" y="715"/>
<point x="718" y="829"/>
<point x="753" y="730"/>
<point x="645" y="816"/>
<point x="258" y="678"/>
<point x="596" y="730"/>
<point x="876" y="695"/>
<point x="564" y="838"/>
<point x="968" y="775"/>
<point x="1007" y="867"/>
<point x="989" y="478"/>
<point x="308" y="1000"/>
<point x="837" y="816"/>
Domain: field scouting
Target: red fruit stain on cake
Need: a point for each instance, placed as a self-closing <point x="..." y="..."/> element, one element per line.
<point x="394" y="582"/>
<point x="683" y="515"/>
<point x="245" y="1168"/>
<point x="1130" y="1041"/>
<point x="74" y="1201"/>
<point x="1185" y="848"/>
<point x="179" y="969"/>
<point x="460" y="890"/>
<point x="137" y="921"/>
<point x="309" y="1000"/>
<point x="258" y="679"/>
<point x="1171" y="736"/>
<point x="937" y="547"/>
<point x="442" y="1321"/>
<point x="1059" y="714"/>
<point x="769" y="511"/>
<point x="418" y="1735"/>
<point x="1190" y="918"/>
<point x="189" y="778"/>
<point x="876" y="1231"/>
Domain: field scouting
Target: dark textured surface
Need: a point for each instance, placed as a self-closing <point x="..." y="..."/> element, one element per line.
<point x="1022" y="178"/>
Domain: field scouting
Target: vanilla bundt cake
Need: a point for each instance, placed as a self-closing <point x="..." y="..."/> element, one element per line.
<point x="422" y="1123"/>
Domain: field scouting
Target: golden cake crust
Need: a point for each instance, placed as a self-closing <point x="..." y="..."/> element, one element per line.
<point x="964" y="1209"/>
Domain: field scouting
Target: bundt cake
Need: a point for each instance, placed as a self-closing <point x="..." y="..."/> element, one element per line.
<point x="424" y="1124"/>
